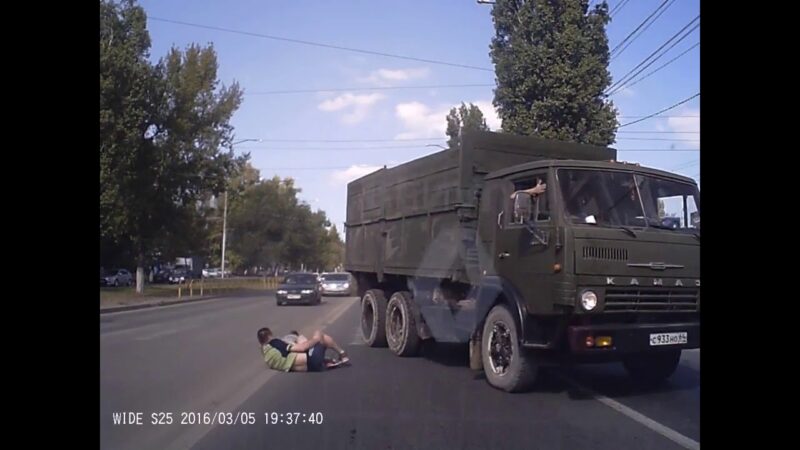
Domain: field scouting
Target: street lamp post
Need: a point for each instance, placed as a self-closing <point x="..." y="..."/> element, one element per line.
<point x="225" y="213"/>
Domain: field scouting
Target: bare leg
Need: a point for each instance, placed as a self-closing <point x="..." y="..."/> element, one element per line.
<point x="328" y="341"/>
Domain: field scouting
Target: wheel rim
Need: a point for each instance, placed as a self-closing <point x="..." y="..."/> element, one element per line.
<point x="395" y="324"/>
<point x="367" y="319"/>
<point x="500" y="348"/>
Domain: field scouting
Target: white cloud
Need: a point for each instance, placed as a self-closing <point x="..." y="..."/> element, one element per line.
<point x="340" y="177"/>
<point x="688" y="125"/>
<point x="356" y="106"/>
<point x="388" y="76"/>
<point x="422" y="121"/>
<point x="492" y="119"/>
<point x="626" y="92"/>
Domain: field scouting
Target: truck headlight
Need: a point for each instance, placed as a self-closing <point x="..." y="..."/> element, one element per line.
<point x="588" y="300"/>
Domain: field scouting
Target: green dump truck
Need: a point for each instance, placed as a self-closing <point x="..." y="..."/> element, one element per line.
<point x="454" y="247"/>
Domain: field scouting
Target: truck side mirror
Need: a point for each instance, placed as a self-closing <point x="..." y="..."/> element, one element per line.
<point x="523" y="207"/>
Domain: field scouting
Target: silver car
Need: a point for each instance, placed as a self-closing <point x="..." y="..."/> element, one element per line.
<point x="119" y="277"/>
<point x="340" y="283"/>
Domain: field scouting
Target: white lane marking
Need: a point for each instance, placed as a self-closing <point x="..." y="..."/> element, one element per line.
<point x="663" y="430"/>
<point x="357" y="337"/>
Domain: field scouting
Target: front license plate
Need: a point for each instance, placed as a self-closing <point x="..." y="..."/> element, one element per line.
<point x="293" y="297"/>
<point x="668" y="338"/>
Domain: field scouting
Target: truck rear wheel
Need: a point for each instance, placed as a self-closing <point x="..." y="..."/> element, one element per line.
<point x="506" y="366"/>
<point x="373" y="318"/>
<point x="401" y="328"/>
<point x="652" y="368"/>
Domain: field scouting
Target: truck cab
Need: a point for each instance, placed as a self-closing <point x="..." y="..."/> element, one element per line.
<point x="602" y="266"/>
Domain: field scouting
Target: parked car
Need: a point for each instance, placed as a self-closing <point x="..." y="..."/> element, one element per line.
<point x="162" y="276"/>
<point x="178" y="276"/>
<point x="118" y="277"/>
<point x="299" y="288"/>
<point x="338" y="283"/>
<point x="215" y="272"/>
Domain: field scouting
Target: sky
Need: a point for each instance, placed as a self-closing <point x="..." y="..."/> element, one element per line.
<point x="299" y="131"/>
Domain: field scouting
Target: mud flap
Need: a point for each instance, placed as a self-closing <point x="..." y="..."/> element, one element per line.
<point x="475" y="357"/>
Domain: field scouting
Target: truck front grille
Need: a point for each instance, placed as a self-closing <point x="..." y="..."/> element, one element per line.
<point x="605" y="253"/>
<point x="632" y="299"/>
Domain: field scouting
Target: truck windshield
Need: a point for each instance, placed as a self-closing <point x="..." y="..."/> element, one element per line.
<point x="614" y="199"/>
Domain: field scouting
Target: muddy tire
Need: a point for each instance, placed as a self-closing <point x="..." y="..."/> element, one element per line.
<point x="505" y="364"/>
<point x="373" y="318"/>
<point x="401" y="326"/>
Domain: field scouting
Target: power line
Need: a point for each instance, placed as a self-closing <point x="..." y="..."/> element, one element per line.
<point x="614" y="56"/>
<point x="318" y="44"/>
<point x="353" y="140"/>
<point x="619" y="7"/>
<point x="644" y="61"/>
<point x="390" y="147"/>
<point x="659" y="112"/>
<point x="269" y="169"/>
<point x="668" y="150"/>
<point x="662" y="66"/>
<point x="660" y="117"/>
<point x="377" y="88"/>
<point x="631" y="77"/>
<point x="686" y="165"/>
<point x="292" y="149"/>
<point x="659" y="132"/>
<point x="443" y="138"/>
<point x="657" y="139"/>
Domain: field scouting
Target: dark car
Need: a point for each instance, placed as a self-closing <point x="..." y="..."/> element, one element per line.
<point x="337" y="284"/>
<point x="179" y="276"/>
<point x="299" y="288"/>
<point x="162" y="276"/>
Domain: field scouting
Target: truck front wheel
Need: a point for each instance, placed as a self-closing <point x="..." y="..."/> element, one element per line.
<point x="401" y="328"/>
<point x="506" y="366"/>
<point x="373" y="318"/>
<point x="652" y="368"/>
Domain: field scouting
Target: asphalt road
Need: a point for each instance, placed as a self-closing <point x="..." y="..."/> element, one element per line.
<point x="203" y="357"/>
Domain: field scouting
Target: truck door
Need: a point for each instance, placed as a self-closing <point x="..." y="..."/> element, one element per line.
<point x="525" y="240"/>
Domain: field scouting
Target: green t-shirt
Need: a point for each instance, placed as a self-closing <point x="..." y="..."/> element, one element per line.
<point x="275" y="360"/>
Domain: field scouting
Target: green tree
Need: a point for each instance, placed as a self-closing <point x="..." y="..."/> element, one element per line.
<point x="269" y="227"/>
<point x="260" y="220"/>
<point x="162" y="128"/>
<point x="464" y="118"/>
<point x="551" y="63"/>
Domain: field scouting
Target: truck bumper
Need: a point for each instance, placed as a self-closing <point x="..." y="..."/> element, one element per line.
<point x="631" y="338"/>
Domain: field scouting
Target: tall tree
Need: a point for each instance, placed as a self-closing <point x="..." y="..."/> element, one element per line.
<point x="551" y="63"/>
<point x="464" y="118"/>
<point x="162" y="128"/>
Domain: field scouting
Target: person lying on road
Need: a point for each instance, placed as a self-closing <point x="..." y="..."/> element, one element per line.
<point x="305" y="355"/>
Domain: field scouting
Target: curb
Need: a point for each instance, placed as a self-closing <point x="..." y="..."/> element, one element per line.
<point x="114" y="309"/>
